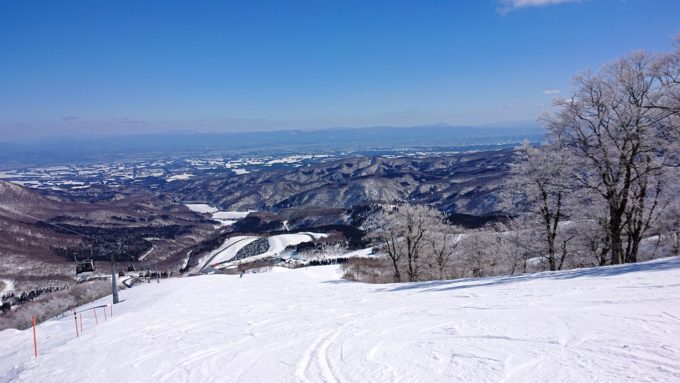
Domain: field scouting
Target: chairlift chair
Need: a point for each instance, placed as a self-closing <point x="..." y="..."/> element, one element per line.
<point x="86" y="266"/>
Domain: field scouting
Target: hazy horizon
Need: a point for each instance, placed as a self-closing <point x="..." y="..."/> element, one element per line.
<point x="514" y="126"/>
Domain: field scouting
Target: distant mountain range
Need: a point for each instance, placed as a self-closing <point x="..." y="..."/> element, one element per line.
<point x="43" y="231"/>
<point x="40" y="152"/>
<point x="461" y="183"/>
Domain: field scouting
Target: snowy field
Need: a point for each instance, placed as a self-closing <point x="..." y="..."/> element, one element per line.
<point x="613" y="324"/>
<point x="201" y="208"/>
<point x="225" y="218"/>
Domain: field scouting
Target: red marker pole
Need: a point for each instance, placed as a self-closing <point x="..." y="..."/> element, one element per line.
<point x="81" y="323"/>
<point x="104" y="313"/>
<point x="75" y="318"/>
<point x="35" y="339"/>
<point x="95" y="316"/>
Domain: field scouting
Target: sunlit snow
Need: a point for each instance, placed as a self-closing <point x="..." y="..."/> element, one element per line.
<point x="613" y="324"/>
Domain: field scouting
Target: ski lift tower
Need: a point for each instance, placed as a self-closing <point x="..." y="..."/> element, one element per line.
<point x="114" y="285"/>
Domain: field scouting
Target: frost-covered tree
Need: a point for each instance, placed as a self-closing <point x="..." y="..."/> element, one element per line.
<point x="592" y="242"/>
<point x="616" y="129"/>
<point x="538" y="187"/>
<point x="380" y="228"/>
<point x="667" y="70"/>
<point x="442" y="242"/>
<point x="480" y="254"/>
<point x="668" y="225"/>
<point x="401" y="233"/>
<point x="520" y="246"/>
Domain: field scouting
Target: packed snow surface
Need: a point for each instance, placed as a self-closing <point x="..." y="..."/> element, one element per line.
<point x="611" y="324"/>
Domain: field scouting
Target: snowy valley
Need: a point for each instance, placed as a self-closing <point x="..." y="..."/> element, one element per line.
<point x="455" y="191"/>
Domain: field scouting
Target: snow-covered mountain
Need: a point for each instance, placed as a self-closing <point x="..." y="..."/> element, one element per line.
<point x="39" y="233"/>
<point x="610" y="324"/>
<point x="464" y="183"/>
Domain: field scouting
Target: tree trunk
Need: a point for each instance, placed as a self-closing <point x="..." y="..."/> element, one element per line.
<point x="615" y="241"/>
<point x="397" y="274"/>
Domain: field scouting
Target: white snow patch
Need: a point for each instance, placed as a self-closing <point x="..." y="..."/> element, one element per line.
<point x="363" y="253"/>
<point x="201" y="207"/>
<point x="183" y="176"/>
<point x="8" y="286"/>
<point x="233" y="215"/>
<point x="225" y="218"/>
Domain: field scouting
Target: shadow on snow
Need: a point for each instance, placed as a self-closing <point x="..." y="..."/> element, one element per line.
<point x="603" y="271"/>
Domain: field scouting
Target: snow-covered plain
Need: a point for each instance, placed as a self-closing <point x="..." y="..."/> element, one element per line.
<point x="225" y="218"/>
<point x="201" y="207"/>
<point x="611" y="324"/>
<point x="178" y="177"/>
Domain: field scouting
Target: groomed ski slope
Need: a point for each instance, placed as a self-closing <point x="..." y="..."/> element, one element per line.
<point x="222" y="256"/>
<point x="612" y="324"/>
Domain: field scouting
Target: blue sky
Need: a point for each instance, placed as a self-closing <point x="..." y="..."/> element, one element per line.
<point x="112" y="67"/>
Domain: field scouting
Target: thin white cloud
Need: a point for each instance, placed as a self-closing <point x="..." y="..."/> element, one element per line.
<point x="506" y="6"/>
<point x="551" y="91"/>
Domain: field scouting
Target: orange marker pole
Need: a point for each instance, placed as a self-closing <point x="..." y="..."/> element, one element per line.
<point x="95" y="316"/>
<point x="35" y="339"/>
<point x="75" y="318"/>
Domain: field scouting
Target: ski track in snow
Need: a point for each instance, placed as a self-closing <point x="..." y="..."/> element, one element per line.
<point x="228" y="250"/>
<point x="147" y="253"/>
<point x="613" y="324"/>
